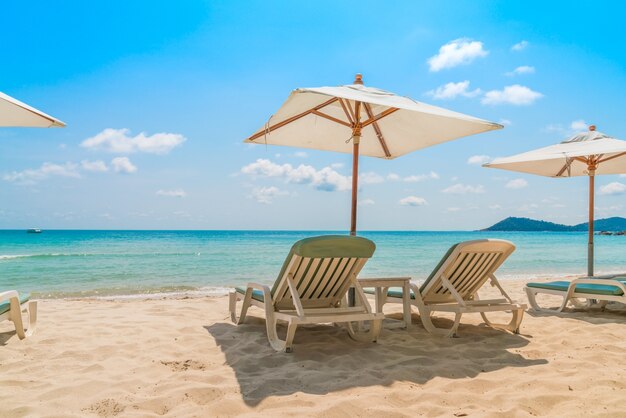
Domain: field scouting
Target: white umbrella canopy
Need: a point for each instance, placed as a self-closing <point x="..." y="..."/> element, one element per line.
<point x="363" y="121"/>
<point x="585" y="154"/>
<point x="14" y="113"/>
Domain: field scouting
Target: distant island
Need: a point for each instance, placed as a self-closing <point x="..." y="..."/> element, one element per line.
<point x="614" y="224"/>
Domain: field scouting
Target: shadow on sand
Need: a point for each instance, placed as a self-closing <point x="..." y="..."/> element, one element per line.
<point x="614" y="313"/>
<point x="326" y="360"/>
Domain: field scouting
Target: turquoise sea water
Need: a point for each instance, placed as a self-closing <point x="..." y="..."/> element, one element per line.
<point x="81" y="263"/>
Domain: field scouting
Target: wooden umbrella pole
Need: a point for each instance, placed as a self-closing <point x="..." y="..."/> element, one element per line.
<point x="592" y="172"/>
<point x="356" y="139"/>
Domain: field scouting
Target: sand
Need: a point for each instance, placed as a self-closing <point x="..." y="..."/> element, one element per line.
<point x="183" y="357"/>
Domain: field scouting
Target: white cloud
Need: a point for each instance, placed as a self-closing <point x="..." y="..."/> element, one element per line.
<point x="516" y="184"/>
<point x="172" y="193"/>
<point x="457" y="52"/>
<point x="266" y="195"/>
<point x="301" y="154"/>
<point x="505" y="122"/>
<point x="530" y="208"/>
<point x="452" y="90"/>
<point x="574" y="127"/>
<point x="413" y="201"/>
<point x="613" y="188"/>
<point x="119" y="141"/>
<point x="515" y="95"/>
<point x="325" y="179"/>
<point x="453" y="209"/>
<point x="523" y="69"/>
<point x="622" y="175"/>
<point x="495" y="207"/>
<point x="460" y="188"/>
<point x="47" y="170"/>
<point x="366" y="202"/>
<point x="371" y="178"/>
<point x="393" y="177"/>
<point x="336" y="165"/>
<point x="478" y="159"/>
<point x="123" y="165"/>
<point x="421" y="177"/>
<point x="520" y="46"/>
<point x="97" y="166"/>
<point x="578" y="125"/>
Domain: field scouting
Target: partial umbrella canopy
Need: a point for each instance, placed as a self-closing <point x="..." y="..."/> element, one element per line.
<point x="585" y="154"/>
<point x="14" y="113"/>
<point x="363" y="121"/>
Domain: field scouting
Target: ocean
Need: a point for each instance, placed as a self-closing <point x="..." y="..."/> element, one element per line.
<point x="69" y="263"/>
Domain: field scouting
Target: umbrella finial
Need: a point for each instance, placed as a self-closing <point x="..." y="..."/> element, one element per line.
<point x="592" y="128"/>
<point x="358" y="78"/>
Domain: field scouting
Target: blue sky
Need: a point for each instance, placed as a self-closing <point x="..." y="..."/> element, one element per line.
<point x="159" y="99"/>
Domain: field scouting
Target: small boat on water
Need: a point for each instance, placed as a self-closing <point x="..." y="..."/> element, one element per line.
<point x="33" y="231"/>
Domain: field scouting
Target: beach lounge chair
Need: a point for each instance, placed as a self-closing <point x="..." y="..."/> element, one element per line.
<point x="592" y="289"/>
<point x="11" y="308"/>
<point x="311" y="288"/>
<point x="454" y="284"/>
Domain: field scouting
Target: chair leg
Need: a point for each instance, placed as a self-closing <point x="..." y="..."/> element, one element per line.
<point x="513" y="325"/>
<point x="370" y="335"/>
<point x="430" y="327"/>
<point x="532" y="299"/>
<point x="16" y="318"/>
<point x="233" y="297"/>
<point x="32" y="317"/>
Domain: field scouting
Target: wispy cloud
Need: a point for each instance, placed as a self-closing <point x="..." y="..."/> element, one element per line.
<point x="415" y="178"/>
<point x="524" y="69"/>
<point x="120" y="141"/>
<point x="266" y="195"/>
<point x="460" y="188"/>
<point x="413" y="201"/>
<point x="574" y="127"/>
<point x="96" y="166"/>
<point x="613" y="188"/>
<point x="366" y="202"/>
<point x="520" y="46"/>
<point x="458" y="52"/>
<point x="123" y="165"/>
<point x="514" y="95"/>
<point x="47" y="170"/>
<point x="172" y="193"/>
<point x="478" y="159"/>
<point x="325" y="179"/>
<point x="453" y="90"/>
<point x="516" y="184"/>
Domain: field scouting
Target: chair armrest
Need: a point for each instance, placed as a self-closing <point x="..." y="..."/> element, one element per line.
<point x="8" y="295"/>
<point x="267" y="293"/>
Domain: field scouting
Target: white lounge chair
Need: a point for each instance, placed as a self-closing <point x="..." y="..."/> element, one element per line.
<point x="311" y="288"/>
<point x="11" y="308"/>
<point x="454" y="284"/>
<point x="593" y="290"/>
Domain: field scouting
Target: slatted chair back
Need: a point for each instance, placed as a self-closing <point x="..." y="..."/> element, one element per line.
<point x="321" y="269"/>
<point x="466" y="266"/>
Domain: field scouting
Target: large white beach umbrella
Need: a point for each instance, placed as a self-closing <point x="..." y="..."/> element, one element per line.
<point x="14" y="113"/>
<point x="363" y="121"/>
<point x="586" y="154"/>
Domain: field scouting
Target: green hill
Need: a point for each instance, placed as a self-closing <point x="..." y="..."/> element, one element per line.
<point x="527" y="224"/>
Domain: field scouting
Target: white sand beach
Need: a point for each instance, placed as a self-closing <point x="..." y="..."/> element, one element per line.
<point x="183" y="357"/>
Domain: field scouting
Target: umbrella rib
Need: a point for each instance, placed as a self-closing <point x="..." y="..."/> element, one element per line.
<point x="345" y="110"/>
<point x="379" y="116"/>
<point x="292" y="119"/>
<point x="621" y="154"/>
<point x="379" y="134"/>
<point x="339" y="121"/>
<point x="347" y="102"/>
<point x="568" y="163"/>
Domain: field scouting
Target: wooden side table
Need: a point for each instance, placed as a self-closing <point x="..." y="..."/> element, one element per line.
<point x="381" y="285"/>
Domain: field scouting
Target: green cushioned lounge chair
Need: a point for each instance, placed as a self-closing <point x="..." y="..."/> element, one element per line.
<point x="454" y="284"/>
<point x="11" y="308"/>
<point x="591" y="289"/>
<point x="311" y="288"/>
